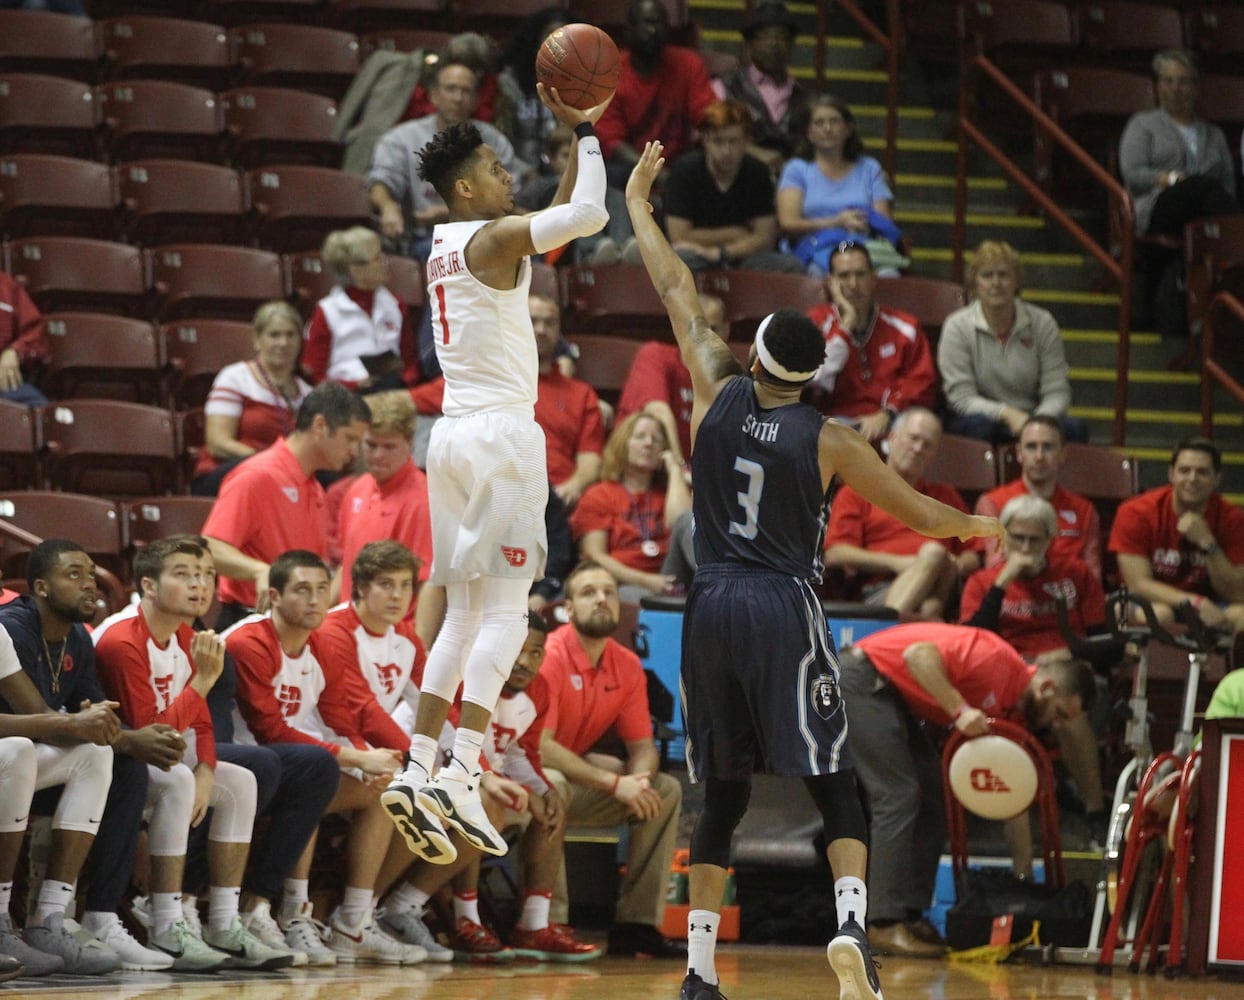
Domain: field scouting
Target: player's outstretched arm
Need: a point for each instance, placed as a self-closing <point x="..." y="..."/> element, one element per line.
<point x="703" y="352"/>
<point x="845" y="452"/>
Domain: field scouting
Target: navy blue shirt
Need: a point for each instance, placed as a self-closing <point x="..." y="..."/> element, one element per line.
<point x="758" y="499"/>
<point x="78" y="682"/>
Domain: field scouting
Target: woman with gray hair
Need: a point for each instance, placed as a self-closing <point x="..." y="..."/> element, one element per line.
<point x="360" y="333"/>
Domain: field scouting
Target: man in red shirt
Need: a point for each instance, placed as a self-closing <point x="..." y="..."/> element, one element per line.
<point x="1183" y="543"/>
<point x="272" y="503"/>
<point x="901" y="568"/>
<point x="567" y="408"/>
<point x="23" y="343"/>
<point x="943" y="675"/>
<point x="877" y="361"/>
<point x="390" y="499"/>
<point x="595" y="686"/>
<point x="1041" y="457"/>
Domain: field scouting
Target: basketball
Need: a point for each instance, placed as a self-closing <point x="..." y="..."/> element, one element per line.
<point x="582" y="62"/>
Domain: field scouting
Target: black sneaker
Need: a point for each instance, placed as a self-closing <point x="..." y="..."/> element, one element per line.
<point x="852" y="961"/>
<point x="695" y="988"/>
<point x="629" y="940"/>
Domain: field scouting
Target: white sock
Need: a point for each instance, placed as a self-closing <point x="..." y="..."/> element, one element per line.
<point x="355" y="909"/>
<point x="53" y="898"/>
<point x="423" y="752"/>
<point x="702" y="944"/>
<point x="466" y="904"/>
<point x="6" y="896"/>
<point x="293" y="898"/>
<point x="535" y="915"/>
<point x="468" y="744"/>
<point x="165" y="910"/>
<point x="95" y="921"/>
<point x="406" y="898"/>
<point x="222" y="906"/>
<point x="851" y="899"/>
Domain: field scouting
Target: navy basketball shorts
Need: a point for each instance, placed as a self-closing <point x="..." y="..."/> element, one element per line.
<point x="759" y="678"/>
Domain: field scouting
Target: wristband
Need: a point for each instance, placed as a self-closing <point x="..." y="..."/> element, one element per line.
<point x="584" y="130"/>
<point x="614" y="789"/>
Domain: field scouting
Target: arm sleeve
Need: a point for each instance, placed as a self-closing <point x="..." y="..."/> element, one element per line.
<point x="585" y="213"/>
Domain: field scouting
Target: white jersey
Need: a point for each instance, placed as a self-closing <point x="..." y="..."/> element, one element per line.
<point x="387" y="662"/>
<point x="483" y="335"/>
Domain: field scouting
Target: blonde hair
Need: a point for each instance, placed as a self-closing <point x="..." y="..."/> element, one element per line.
<point x="992" y="252"/>
<point x="345" y="247"/>
<point x="392" y="412"/>
<point x="613" y="458"/>
<point x="271" y="311"/>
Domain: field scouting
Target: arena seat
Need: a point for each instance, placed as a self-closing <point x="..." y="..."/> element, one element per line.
<point x="177" y="201"/>
<point x="97" y="355"/>
<point x="43" y="195"/>
<point x="301" y="56"/>
<point x="37" y="41"/>
<point x="277" y="125"/>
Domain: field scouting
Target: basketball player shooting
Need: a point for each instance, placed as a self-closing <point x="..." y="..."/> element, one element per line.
<point x="487" y="483"/>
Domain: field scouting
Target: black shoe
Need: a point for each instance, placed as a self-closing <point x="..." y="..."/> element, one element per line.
<point x="852" y="961"/>
<point x="695" y="988"/>
<point x="629" y="940"/>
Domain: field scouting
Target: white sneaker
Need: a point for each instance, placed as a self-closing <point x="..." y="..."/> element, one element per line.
<point x="370" y="944"/>
<point x="305" y="934"/>
<point x="134" y="957"/>
<point x="419" y="826"/>
<point x="260" y="923"/>
<point x="246" y="951"/>
<point x="408" y="926"/>
<point x="190" y="952"/>
<point x="83" y="955"/>
<point x="453" y="797"/>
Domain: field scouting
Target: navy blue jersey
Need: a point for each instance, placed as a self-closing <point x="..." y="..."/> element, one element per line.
<point x="78" y="683"/>
<point x="758" y="499"/>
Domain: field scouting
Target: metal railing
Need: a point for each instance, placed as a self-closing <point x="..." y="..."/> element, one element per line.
<point x="977" y="68"/>
<point x="1214" y="374"/>
<point x="891" y="45"/>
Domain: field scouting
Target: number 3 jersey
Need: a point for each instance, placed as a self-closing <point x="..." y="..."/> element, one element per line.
<point x="758" y="499"/>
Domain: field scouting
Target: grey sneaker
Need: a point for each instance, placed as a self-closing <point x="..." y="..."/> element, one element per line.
<point x="245" y="950"/>
<point x="82" y="954"/>
<point x="852" y="961"/>
<point x="38" y="963"/>
<point x="409" y="927"/>
<point x="305" y="934"/>
<point x="190" y="952"/>
<point x="260" y="922"/>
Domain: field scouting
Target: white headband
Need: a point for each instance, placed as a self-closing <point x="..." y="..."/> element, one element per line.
<point x="772" y="366"/>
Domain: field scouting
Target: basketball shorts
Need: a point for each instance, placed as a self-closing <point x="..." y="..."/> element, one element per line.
<point x="759" y="678"/>
<point x="487" y="490"/>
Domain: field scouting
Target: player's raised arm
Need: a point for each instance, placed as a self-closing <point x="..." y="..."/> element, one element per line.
<point x="705" y="354"/>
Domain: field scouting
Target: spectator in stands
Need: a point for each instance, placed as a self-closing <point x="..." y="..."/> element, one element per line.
<point x="390" y="499"/>
<point x="1001" y="358"/>
<point x="42" y="749"/>
<point x="407" y="206"/>
<point x="877" y="361"/>
<point x="159" y="669"/>
<point x="1041" y="456"/>
<point x="292" y="689"/>
<point x="1181" y="546"/>
<point x="252" y="403"/>
<point x="52" y="617"/>
<point x="900" y="686"/>
<point x="662" y="93"/>
<point x="623" y="522"/>
<point x="719" y="199"/>
<point x="901" y="568"/>
<point x="1177" y="167"/>
<point x="830" y="191"/>
<point x="23" y="343"/>
<point x="524" y="118"/>
<point x="478" y="52"/>
<point x="660" y="385"/>
<point x="596" y="685"/>
<point x="568" y="410"/>
<point x="773" y="97"/>
<point x="274" y="502"/>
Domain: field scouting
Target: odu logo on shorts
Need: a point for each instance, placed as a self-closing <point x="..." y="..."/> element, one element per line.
<point x="824" y="695"/>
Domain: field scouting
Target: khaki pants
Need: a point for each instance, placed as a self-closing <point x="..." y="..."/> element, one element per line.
<point x="649" y="851"/>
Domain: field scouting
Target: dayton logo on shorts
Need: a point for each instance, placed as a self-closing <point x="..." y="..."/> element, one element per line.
<point x="515" y="557"/>
<point x="984" y="780"/>
<point x="825" y="695"/>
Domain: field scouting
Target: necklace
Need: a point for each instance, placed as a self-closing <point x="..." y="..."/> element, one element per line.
<point x="645" y="522"/>
<point x="60" y="661"/>
<point x="290" y="401"/>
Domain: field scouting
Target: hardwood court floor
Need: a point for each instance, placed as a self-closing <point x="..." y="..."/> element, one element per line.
<point x="749" y="972"/>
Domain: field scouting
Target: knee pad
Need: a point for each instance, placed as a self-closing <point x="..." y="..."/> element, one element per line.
<point x="501" y="638"/>
<point x="725" y="802"/>
<point x="837" y="799"/>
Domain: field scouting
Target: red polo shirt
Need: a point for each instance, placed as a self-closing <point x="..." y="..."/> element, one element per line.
<point x="396" y="509"/>
<point x="569" y="411"/>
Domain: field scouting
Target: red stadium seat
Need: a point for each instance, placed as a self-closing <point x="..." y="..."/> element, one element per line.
<point x="372" y="15"/>
<point x="276" y="125"/>
<point x="36" y="41"/>
<point x="102" y="356"/>
<point x="402" y="40"/>
<point x="930" y="300"/>
<point x="750" y="296"/>
<point x="297" y="206"/>
<point x="167" y="48"/>
<point x="177" y="201"/>
<point x="43" y="195"/>
<point x="604" y="362"/>
<point x="93" y="522"/>
<point x="62" y="272"/>
<point x="197" y="349"/>
<point x="106" y="447"/>
<point x="233" y="12"/>
<point x="300" y="56"/>
<point x="617" y="299"/>
<point x="1126" y="35"/>
<point x="203" y="279"/>
<point x="969" y="465"/>
<point x="48" y="114"/>
<point x="19" y="447"/>
<point x="159" y="118"/>
<point x="148" y="519"/>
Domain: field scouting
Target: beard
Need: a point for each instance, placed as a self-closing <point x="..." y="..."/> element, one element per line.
<point x="73" y="612"/>
<point x="600" y="625"/>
